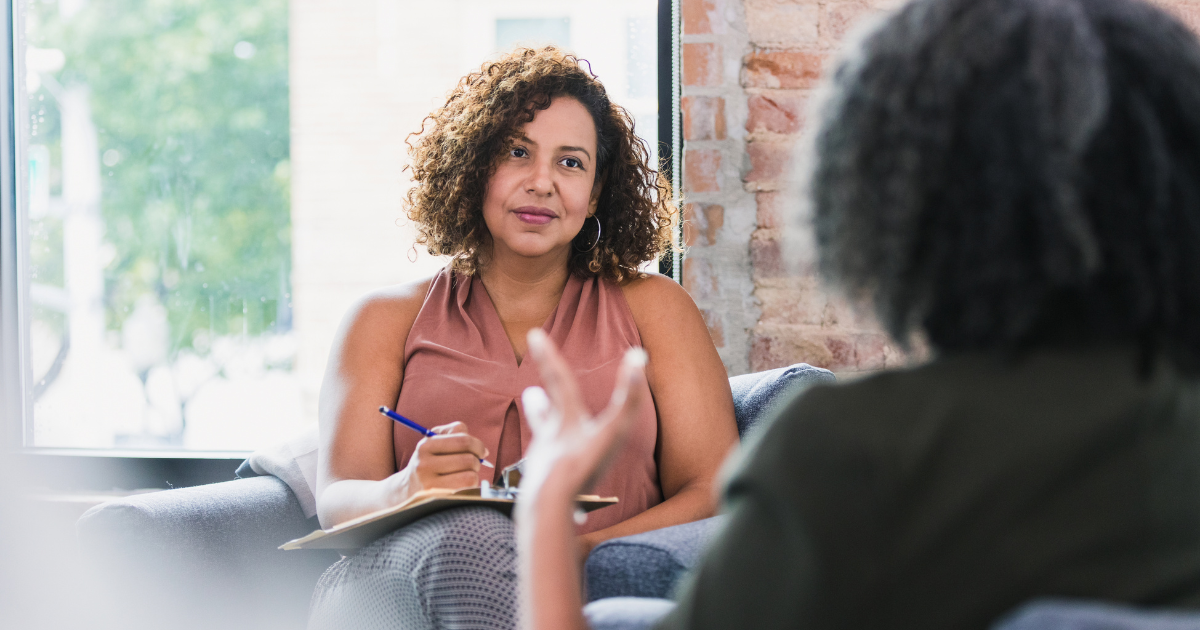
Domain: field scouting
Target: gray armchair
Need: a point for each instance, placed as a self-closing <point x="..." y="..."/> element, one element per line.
<point x="207" y="557"/>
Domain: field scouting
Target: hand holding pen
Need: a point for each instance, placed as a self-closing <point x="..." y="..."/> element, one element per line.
<point x="420" y="429"/>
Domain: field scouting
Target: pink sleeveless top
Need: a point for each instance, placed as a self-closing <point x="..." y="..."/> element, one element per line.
<point x="460" y="366"/>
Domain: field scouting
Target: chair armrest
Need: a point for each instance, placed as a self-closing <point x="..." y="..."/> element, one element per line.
<point x="647" y="564"/>
<point x="757" y="395"/>
<point x="220" y="520"/>
<point x="206" y="556"/>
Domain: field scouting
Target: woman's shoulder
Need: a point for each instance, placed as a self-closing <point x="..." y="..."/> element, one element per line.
<point x="386" y="312"/>
<point x="652" y="294"/>
<point x="394" y="300"/>
<point x="665" y="315"/>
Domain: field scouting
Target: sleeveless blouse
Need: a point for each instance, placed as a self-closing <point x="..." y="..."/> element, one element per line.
<point x="460" y="366"/>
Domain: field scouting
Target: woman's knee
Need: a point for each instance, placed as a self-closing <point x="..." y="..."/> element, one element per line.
<point x="478" y="529"/>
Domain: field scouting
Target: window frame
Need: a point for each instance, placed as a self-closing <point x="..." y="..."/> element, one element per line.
<point x="11" y="354"/>
<point x="670" y="139"/>
<point x="60" y="470"/>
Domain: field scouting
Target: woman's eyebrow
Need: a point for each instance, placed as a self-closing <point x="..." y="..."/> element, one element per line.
<point x="580" y="149"/>
<point x="527" y="140"/>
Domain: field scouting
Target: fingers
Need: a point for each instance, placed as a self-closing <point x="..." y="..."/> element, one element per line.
<point x="450" y="443"/>
<point x="537" y="408"/>
<point x="614" y="422"/>
<point x="557" y="379"/>
<point x="450" y="464"/>
<point x="451" y="482"/>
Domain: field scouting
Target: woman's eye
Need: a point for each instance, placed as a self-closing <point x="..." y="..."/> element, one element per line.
<point x="572" y="163"/>
<point x="518" y="152"/>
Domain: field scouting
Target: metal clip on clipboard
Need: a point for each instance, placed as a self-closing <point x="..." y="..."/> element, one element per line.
<point x="510" y="476"/>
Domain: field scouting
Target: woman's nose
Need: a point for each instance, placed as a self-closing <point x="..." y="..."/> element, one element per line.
<point x="540" y="179"/>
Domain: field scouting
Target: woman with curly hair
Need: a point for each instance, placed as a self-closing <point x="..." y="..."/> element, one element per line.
<point x="535" y="186"/>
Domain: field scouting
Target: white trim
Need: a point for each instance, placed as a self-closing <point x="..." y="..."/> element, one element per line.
<point x="676" y="138"/>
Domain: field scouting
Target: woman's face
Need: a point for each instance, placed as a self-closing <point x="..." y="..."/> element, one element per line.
<point x="542" y="190"/>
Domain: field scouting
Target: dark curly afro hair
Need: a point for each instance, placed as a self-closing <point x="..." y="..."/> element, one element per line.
<point x="459" y="146"/>
<point x="1005" y="174"/>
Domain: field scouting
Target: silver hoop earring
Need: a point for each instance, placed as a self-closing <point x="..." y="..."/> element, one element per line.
<point x="597" y="242"/>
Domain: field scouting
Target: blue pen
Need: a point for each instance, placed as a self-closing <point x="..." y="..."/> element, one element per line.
<point x="418" y="428"/>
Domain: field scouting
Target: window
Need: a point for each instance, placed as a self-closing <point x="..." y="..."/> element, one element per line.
<point x="156" y="224"/>
<point x="532" y="32"/>
<point x="200" y="193"/>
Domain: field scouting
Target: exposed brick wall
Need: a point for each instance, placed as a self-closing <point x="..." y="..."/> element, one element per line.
<point x="749" y="67"/>
<point x="720" y="212"/>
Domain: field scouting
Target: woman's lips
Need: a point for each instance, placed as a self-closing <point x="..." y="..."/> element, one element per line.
<point x="535" y="215"/>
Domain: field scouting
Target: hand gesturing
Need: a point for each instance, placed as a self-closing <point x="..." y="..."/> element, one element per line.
<point x="570" y="448"/>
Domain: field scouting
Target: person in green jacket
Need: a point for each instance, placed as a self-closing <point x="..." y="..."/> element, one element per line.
<point x="1016" y="183"/>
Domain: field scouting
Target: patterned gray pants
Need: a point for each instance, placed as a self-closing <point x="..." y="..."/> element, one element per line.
<point x="455" y="570"/>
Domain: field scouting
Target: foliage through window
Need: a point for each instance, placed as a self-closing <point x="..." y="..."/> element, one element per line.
<point x="207" y="192"/>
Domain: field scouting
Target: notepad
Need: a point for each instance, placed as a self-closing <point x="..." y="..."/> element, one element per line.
<point x="364" y="530"/>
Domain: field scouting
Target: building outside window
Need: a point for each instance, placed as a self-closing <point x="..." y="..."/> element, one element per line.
<point x="207" y="186"/>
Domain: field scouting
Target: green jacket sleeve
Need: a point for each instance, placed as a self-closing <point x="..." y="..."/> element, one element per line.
<point x="804" y="540"/>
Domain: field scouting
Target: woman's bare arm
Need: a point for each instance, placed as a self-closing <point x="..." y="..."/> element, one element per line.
<point x="694" y="404"/>
<point x="356" y="461"/>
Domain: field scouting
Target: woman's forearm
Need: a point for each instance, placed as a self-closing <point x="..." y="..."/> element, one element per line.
<point x="343" y="500"/>
<point x="692" y="503"/>
<point x="551" y="597"/>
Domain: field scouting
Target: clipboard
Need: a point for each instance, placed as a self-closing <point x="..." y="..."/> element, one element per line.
<point x="364" y="530"/>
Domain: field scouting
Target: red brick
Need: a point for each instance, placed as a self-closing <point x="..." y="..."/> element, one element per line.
<point x="703" y="117"/>
<point x="698" y="280"/>
<point x="702" y="65"/>
<point x="872" y="350"/>
<point x="778" y="112"/>
<point x="842" y="352"/>
<point x="802" y="303"/>
<point x="766" y="259"/>
<point x="700" y="169"/>
<point x="840" y="312"/>
<point x="770" y="210"/>
<point x="716" y="327"/>
<point x="705" y="224"/>
<point x="786" y="24"/>
<point x="838" y="19"/>
<point x="784" y="346"/>
<point x="697" y="16"/>
<point x="781" y="69"/>
<point x="768" y="163"/>
<point x="689" y="224"/>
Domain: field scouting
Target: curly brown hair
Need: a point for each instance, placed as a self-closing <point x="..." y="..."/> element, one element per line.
<point x="453" y="160"/>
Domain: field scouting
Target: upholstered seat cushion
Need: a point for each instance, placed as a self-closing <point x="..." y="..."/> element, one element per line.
<point x="1071" y="614"/>
<point x="757" y="394"/>
<point x="626" y="613"/>
<point x="648" y="564"/>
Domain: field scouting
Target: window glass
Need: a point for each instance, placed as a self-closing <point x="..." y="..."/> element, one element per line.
<point x="532" y="32"/>
<point x="212" y="183"/>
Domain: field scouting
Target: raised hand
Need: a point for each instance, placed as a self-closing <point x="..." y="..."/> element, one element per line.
<point x="571" y="448"/>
